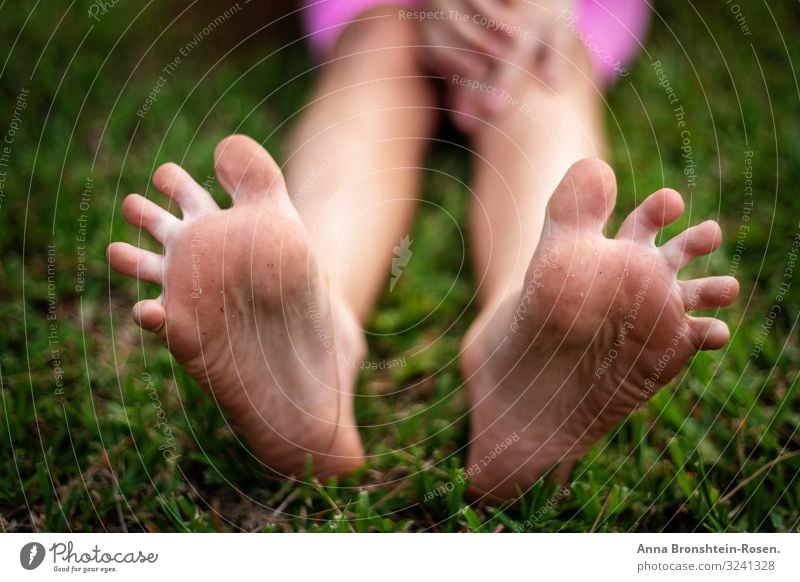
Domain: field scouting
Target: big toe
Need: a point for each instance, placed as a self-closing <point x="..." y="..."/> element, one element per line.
<point x="246" y="171"/>
<point x="585" y="197"/>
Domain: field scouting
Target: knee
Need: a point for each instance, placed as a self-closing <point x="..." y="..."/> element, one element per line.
<point x="380" y="34"/>
<point x="574" y="70"/>
<point x="573" y="94"/>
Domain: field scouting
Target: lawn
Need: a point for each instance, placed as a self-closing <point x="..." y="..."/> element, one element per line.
<point x="100" y="431"/>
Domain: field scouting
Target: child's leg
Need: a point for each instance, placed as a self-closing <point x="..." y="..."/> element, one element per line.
<point x="520" y="160"/>
<point x="572" y="340"/>
<point x="354" y="165"/>
<point x="247" y="308"/>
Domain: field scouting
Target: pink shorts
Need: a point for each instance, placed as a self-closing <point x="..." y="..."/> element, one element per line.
<point x="612" y="30"/>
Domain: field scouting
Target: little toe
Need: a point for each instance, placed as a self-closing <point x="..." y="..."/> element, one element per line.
<point x="135" y="262"/>
<point x="246" y="171"/>
<point x="176" y="183"/>
<point x="708" y="292"/>
<point x="585" y="197"/>
<point x="708" y="333"/>
<point x="695" y="241"/>
<point x="657" y="211"/>
<point x="142" y="213"/>
<point x="150" y="315"/>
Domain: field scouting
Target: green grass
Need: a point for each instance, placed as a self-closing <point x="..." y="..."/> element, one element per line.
<point x="715" y="451"/>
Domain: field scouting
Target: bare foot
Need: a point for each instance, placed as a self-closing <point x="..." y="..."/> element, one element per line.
<point x="245" y="311"/>
<point x="599" y="326"/>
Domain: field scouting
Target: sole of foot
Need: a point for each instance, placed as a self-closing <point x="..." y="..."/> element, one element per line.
<point x="247" y="313"/>
<point x="599" y="326"/>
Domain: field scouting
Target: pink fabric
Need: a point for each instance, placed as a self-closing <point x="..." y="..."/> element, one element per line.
<point x="612" y="30"/>
<point x="325" y="20"/>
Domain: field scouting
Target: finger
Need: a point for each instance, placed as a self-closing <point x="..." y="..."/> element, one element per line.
<point x="465" y="113"/>
<point x="472" y="35"/>
<point x="554" y="57"/>
<point x="505" y="79"/>
<point x="496" y="17"/>
<point x="451" y="57"/>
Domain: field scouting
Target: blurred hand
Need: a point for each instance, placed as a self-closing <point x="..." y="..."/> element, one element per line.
<point x="465" y="36"/>
<point x="542" y="44"/>
<point x="496" y="44"/>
